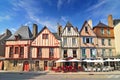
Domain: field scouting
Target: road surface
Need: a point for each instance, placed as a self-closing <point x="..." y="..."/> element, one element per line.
<point x="30" y="76"/>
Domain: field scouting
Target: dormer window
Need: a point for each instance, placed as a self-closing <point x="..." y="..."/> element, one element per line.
<point x="86" y="29"/>
<point x="17" y="37"/>
<point x="69" y="29"/>
<point x="108" y="31"/>
<point x="102" y="31"/>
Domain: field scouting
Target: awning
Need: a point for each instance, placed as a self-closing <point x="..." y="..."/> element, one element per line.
<point x="112" y="60"/>
<point x="96" y="61"/>
<point x="61" y="60"/>
<point x="87" y="60"/>
<point x="74" y="60"/>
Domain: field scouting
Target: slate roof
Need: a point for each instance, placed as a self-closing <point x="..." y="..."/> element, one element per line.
<point x="24" y="33"/>
<point x="116" y="21"/>
<point x="5" y="35"/>
<point x="100" y="24"/>
<point x="69" y="24"/>
<point x="56" y="36"/>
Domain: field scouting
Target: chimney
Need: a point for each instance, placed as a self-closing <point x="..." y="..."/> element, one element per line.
<point x="90" y="23"/>
<point x="59" y="29"/>
<point x="110" y="21"/>
<point x="35" y="30"/>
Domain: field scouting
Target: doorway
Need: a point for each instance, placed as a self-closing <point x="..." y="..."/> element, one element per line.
<point x="26" y="66"/>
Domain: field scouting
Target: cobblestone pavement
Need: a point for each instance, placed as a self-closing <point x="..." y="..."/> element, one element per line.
<point x="62" y="76"/>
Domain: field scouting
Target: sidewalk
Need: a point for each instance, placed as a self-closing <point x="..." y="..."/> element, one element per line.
<point x="24" y="72"/>
<point x="61" y="73"/>
<point x="86" y="73"/>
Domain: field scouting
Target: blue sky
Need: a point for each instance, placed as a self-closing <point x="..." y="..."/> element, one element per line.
<point x="15" y="13"/>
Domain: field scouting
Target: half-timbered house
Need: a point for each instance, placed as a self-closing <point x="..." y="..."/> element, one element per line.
<point x="88" y="41"/>
<point x="45" y="50"/>
<point x="17" y="50"/>
<point x="70" y="43"/>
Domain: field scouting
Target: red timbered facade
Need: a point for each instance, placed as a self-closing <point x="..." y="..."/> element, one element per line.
<point x="45" y="49"/>
<point x="17" y="50"/>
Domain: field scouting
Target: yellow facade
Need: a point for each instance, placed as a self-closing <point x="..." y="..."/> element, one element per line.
<point x="117" y="38"/>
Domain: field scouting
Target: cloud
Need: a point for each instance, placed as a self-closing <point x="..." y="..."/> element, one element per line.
<point x="3" y="18"/>
<point x="59" y="4"/>
<point x="64" y="18"/>
<point x="13" y="30"/>
<point x="50" y="23"/>
<point x="96" y="6"/>
<point x="28" y="6"/>
<point x="32" y="13"/>
<point x="101" y="10"/>
<point x="28" y="23"/>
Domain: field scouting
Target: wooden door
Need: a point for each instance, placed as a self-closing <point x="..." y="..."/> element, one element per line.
<point x="26" y="66"/>
<point x="45" y="65"/>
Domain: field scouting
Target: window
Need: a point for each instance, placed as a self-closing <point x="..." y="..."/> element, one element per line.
<point x="91" y="53"/>
<point x="102" y="31"/>
<point x="86" y="29"/>
<point x="73" y="41"/>
<point x="87" y="40"/>
<point x="65" y="54"/>
<point x="39" y="54"/>
<point x="51" y="53"/>
<point x="11" y="52"/>
<point x="64" y="41"/>
<point x="84" y="40"/>
<point x="110" y="52"/>
<point x="108" y="31"/>
<point x="83" y="52"/>
<point x="21" y="51"/>
<point x="74" y="54"/>
<point x="103" y="52"/>
<point x="69" y="28"/>
<point x="109" y="42"/>
<point x="91" y="40"/>
<point x="17" y="36"/>
<point x="16" y="50"/>
<point x="15" y="63"/>
<point x="45" y="36"/>
<point x="103" y="42"/>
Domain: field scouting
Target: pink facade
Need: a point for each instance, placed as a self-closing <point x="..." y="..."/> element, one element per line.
<point x="17" y="44"/>
<point x="45" y="45"/>
<point x="88" y="41"/>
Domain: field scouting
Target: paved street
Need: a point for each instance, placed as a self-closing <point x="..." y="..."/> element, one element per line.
<point x="37" y="76"/>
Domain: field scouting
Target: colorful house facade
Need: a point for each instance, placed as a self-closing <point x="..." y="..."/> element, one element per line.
<point x="70" y="42"/>
<point x="25" y="51"/>
<point x="105" y="40"/>
<point x="88" y="41"/>
<point x="17" y="47"/>
<point x="117" y="36"/>
<point x="3" y="37"/>
<point x="45" y="50"/>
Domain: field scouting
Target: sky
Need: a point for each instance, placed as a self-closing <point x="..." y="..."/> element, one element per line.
<point x="17" y="13"/>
